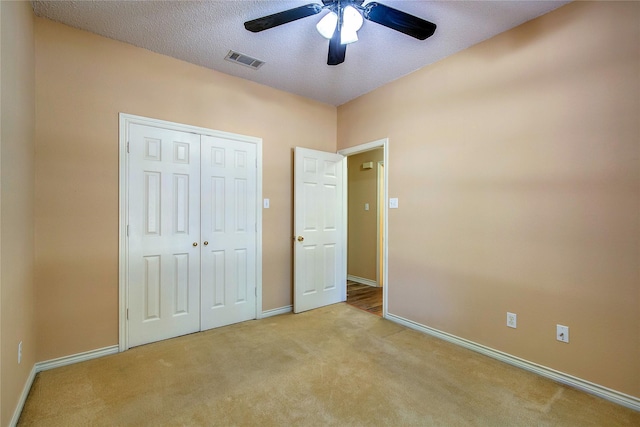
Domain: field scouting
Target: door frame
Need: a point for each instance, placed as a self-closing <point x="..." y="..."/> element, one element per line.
<point x="384" y="144"/>
<point x="125" y="120"/>
<point x="380" y="227"/>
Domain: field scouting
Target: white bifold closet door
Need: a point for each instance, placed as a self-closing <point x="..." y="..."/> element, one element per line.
<point x="229" y="176"/>
<point x="192" y="233"/>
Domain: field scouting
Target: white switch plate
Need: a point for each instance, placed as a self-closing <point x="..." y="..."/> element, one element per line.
<point x="266" y="203"/>
<point x="512" y="320"/>
<point x="562" y="333"/>
<point x="366" y="206"/>
<point x="393" y="203"/>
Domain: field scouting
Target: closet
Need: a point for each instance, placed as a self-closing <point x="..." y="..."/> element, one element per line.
<point x="191" y="231"/>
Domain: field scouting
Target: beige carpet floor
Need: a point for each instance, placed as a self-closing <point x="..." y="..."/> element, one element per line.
<point x="335" y="366"/>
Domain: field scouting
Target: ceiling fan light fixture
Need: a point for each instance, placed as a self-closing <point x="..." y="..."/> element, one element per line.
<point x="327" y="25"/>
<point x="343" y="20"/>
<point x="351" y="23"/>
<point x="348" y="36"/>
<point x="352" y="18"/>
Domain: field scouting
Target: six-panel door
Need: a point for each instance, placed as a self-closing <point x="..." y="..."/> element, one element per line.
<point x="229" y="227"/>
<point x="192" y="233"/>
<point x="164" y="225"/>
<point x="319" y="241"/>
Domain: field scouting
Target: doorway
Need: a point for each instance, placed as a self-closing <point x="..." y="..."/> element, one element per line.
<point x="190" y="222"/>
<point x="367" y="226"/>
<point x="320" y="226"/>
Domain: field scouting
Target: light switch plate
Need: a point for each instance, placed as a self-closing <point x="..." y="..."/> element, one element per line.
<point x="266" y="203"/>
<point x="393" y="203"/>
<point x="512" y="320"/>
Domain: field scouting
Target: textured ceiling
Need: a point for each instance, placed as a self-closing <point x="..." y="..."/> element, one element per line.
<point x="203" y="32"/>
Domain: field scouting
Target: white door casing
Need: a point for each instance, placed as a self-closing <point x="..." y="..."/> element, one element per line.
<point x="162" y="192"/>
<point x="319" y="228"/>
<point x="229" y="231"/>
<point x="380" y="209"/>
<point x="384" y="144"/>
<point x="164" y="226"/>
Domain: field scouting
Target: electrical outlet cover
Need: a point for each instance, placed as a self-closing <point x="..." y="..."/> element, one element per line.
<point x="562" y="333"/>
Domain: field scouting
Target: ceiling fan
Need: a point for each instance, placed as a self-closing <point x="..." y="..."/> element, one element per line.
<point x="344" y="19"/>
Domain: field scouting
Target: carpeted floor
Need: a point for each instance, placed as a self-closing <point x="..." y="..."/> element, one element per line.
<point x="335" y="366"/>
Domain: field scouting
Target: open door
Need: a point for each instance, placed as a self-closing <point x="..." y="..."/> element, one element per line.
<point x="319" y="228"/>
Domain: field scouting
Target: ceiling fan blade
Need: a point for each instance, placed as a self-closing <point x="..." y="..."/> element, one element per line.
<point x="337" y="50"/>
<point x="283" y="17"/>
<point x="400" y="21"/>
<point x="346" y="2"/>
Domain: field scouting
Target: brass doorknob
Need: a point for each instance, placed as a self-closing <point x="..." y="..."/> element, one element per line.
<point x="206" y="243"/>
<point x="300" y="239"/>
<point x="195" y="243"/>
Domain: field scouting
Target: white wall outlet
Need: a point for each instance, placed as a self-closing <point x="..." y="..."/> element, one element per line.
<point x="366" y="206"/>
<point x="562" y="333"/>
<point x="266" y="203"/>
<point x="393" y="203"/>
<point x="19" y="352"/>
<point x="512" y="320"/>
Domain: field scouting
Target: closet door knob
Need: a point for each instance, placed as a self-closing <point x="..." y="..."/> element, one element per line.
<point x="195" y="243"/>
<point x="206" y="243"/>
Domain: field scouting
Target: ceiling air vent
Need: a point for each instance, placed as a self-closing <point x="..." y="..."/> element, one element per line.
<point x="245" y="60"/>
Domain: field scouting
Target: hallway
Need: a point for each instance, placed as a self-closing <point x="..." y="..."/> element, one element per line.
<point x="364" y="297"/>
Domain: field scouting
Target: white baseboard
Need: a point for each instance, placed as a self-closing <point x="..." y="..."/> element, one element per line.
<point x="56" y="363"/>
<point x="276" y="311"/>
<point x="76" y="358"/>
<point x="23" y="397"/>
<point x="362" y="280"/>
<point x="587" y="386"/>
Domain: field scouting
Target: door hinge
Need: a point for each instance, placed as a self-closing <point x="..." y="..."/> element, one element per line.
<point x="256" y="291"/>
<point x="127" y="314"/>
<point x="127" y="231"/>
<point x="128" y="147"/>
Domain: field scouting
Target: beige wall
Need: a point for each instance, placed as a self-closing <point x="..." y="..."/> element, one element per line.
<point x="82" y="82"/>
<point x="16" y="203"/>
<point x="362" y="246"/>
<point x="516" y="165"/>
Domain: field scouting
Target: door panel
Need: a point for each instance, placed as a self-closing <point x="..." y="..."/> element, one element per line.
<point x="164" y="217"/>
<point x="319" y="246"/>
<point x="229" y="224"/>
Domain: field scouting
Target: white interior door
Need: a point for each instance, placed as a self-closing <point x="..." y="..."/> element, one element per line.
<point x="164" y="231"/>
<point x="319" y="227"/>
<point x="229" y="230"/>
<point x="192" y="220"/>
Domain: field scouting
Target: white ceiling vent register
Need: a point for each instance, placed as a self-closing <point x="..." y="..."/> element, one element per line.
<point x="245" y="60"/>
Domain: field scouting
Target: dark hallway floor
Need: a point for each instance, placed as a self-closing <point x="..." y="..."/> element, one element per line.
<point x="364" y="297"/>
